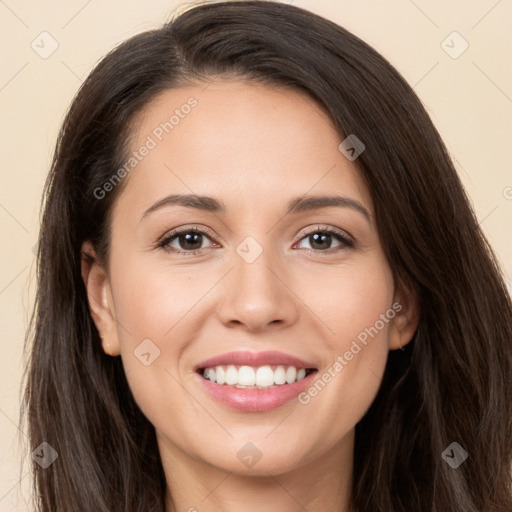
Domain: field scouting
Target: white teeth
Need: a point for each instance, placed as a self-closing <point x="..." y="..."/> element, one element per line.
<point x="291" y="374"/>
<point x="231" y="376"/>
<point x="211" y="374"/>
<point x="220" y="374"/>
<point x="248" y="377"/>
<point x="280" y="375"/>
<point x="264" y="377"/>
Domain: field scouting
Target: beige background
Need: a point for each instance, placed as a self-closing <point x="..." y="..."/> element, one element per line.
<point x="469" y="99"/>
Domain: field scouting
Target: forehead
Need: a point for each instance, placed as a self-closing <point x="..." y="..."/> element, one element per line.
<point x="249" y="143"/>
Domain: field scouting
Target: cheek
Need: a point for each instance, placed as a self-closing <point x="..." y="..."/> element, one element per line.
<point x="154" y="309"/>
<point x="348" y="299"/>
<point x="358" y="312"/>
<point x="152" y="301"/>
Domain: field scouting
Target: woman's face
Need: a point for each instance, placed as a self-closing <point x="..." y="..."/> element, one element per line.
<point x="275" y="275"/>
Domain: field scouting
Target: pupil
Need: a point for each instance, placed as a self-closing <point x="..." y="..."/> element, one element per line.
<point x="323" y="236"/>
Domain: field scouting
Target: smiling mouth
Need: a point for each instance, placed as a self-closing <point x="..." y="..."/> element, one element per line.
<point x="250" y="377"/>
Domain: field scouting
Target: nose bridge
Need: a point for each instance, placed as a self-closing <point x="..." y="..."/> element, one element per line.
<point x="255" y="294"/>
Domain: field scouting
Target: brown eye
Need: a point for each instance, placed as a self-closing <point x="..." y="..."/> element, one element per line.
<point x="189" y="241"/>
<point x="321" y="240"/>
<point x="185" y="241"/>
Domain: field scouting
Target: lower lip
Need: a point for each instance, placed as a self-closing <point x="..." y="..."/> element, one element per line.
<point x="255" y="400"/>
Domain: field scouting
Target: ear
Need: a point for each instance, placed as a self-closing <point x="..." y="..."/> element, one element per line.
<point x="100" y="300"/>
<point x="406" y="320"/>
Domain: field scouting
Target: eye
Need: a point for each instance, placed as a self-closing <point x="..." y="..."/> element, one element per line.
<point x="188" y="240"/>
<point x="321" y="239"/>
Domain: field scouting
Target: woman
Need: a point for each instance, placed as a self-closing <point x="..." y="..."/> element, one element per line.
<point x="367" y="370"/>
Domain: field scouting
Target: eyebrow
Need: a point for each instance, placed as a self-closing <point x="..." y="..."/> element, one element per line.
<point x="297" y="205"/>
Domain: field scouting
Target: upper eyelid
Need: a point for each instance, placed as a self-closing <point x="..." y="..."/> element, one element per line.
<point x="178" y="231"/>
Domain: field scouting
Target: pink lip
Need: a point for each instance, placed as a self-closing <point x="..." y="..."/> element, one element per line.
<point x="255" y="400"/>
<point x="255" y="359"/>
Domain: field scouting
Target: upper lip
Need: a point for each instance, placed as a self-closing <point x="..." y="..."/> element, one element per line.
<point x="255" y="359"/>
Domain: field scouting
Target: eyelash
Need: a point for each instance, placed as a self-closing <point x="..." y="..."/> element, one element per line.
<point x="168" y="237"/>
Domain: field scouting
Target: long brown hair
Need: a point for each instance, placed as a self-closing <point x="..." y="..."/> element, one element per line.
<point x="451" y="383"/>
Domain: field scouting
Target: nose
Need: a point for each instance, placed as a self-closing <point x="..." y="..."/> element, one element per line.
<point x="257" y="295"/>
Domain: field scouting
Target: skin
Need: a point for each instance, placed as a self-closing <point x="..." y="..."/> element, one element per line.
<point x="255" y="148"/>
